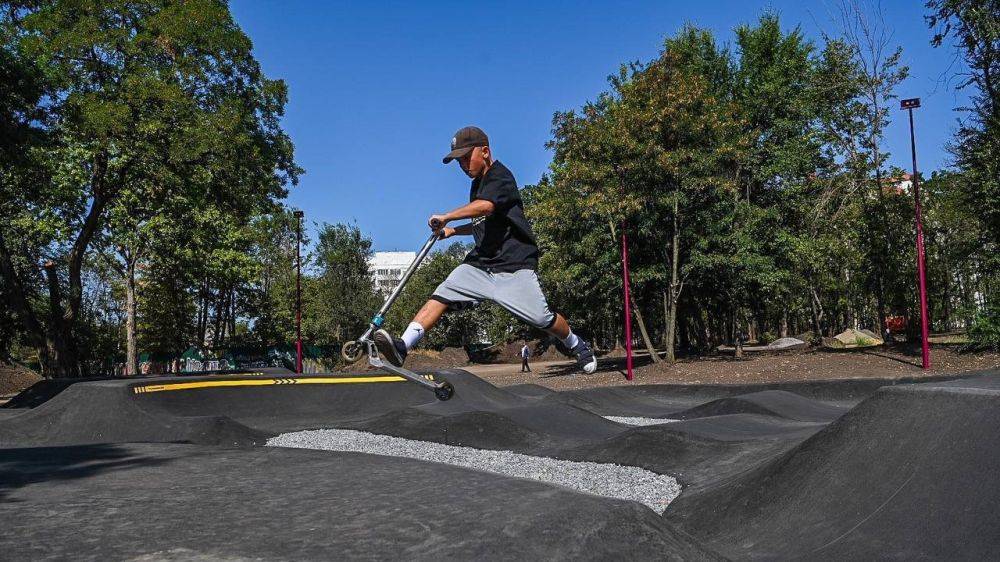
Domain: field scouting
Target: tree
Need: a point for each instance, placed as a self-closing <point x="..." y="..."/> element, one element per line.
<point x="342" y="298"/>
<point x="656" y="151"/>
<point x="142" y="99"/>
<point x="879" y="73"/>
<point x="973" y="27"/>
<point x="742" y="176"/>
<point x="271" y="302"/>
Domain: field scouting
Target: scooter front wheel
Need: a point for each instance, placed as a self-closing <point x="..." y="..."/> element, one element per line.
<point x="352" y="351"/>
<point x="445" y="391"/>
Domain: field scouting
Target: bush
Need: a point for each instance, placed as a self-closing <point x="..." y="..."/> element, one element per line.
<point x="984" y="334"/>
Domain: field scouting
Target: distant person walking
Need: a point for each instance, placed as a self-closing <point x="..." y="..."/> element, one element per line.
<point x="500" y="268"/>
<point x="525" y="354"/>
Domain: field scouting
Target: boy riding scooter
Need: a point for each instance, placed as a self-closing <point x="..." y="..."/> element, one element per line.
<point x="501" y="267"/>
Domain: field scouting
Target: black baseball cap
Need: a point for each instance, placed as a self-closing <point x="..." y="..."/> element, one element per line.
<point x="464" y="141"/>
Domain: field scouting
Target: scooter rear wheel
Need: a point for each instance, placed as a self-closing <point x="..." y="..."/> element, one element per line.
<point x="352" y="351"/>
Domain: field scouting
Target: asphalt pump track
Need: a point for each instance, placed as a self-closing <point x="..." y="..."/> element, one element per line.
<point x="178" y="469"/>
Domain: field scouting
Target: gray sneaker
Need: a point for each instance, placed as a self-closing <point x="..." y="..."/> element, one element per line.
<point x="585" y="358"/>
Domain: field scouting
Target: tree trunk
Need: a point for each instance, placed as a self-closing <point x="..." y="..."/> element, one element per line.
<point x="946" y="287"/>
<point x="131" y="340"/>
<point x="232" y="313"/>
<point x="203" y="313"/>
<point x="58" y="337"/>
<point x="676" y="285"/>
<point x="683" y="331"/>
<point x="217" y="338"/>
<point x="17" y="297"/>
<point x="703" y="336"/>
<point x="784" y="323"/>
<point x="645" y="334"/>
<point x="666" y="319"/>
<point x="817" y="313"/>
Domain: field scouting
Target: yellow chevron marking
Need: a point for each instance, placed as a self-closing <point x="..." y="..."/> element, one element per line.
<point x="142" y="389"/>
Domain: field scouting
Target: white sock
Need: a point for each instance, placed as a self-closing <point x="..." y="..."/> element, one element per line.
<point x="571" y="340"/>
<point x="412" y="334"/>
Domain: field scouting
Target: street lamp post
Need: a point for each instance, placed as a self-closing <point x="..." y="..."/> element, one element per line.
<point x="910" y="105"/>
<point x="298" y="291"/>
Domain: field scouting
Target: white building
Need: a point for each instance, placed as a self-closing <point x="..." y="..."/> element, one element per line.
<point x="387" y="269"/>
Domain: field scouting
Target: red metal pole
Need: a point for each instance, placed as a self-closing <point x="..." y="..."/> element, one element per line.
<point x="628" y="309"/>
<point x="921" y="273"/>
<point x="298" y="293"/>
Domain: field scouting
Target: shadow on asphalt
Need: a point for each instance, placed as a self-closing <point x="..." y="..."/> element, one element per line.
<point x="20" y="467"/>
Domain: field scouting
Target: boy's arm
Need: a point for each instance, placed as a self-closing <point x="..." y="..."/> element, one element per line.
<point x="463" y="229"/>
<point x="477" y="208"/>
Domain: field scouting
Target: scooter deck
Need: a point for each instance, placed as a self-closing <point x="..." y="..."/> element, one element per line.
<point x="443" y="390"/>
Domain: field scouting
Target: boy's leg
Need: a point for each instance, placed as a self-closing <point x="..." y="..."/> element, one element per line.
<point x="464" y="287"/>
<point x="395" y="350"/>
<point x="521" y="294"/>
<point x="430" y="313"/>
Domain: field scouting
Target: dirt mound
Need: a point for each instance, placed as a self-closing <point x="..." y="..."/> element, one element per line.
<point x="618" y="351"/>
<point x="14" y="379"/>
<point x="433" y="359"/>
<point x="423" y="360"/>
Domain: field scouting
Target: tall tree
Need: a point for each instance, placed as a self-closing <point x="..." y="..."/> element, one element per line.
<point x="973" y="28"/>
<point x="343" y="297"/>
<point x="136" y="92"/>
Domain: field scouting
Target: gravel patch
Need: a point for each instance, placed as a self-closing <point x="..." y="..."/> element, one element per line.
<point x="609" y="480"/>
<point x="639" y="421"/>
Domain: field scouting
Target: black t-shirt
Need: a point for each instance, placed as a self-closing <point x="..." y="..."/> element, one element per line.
<point x="504" y="240"/>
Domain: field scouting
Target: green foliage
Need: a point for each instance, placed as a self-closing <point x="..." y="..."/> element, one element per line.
<point x="766" y="162"/>
<point x="973" y="29"/>
<point x="984" y="333"/>
<point x="133" y="117"/>
<point x="340" y="297"/>
<point x="140" y="141"/>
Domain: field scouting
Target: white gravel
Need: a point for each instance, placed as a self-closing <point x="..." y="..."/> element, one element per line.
<point x="609" y="480"/>
<point x="640" y="421"/>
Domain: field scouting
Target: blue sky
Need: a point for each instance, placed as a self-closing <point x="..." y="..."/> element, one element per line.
<point x="378" y="88"/>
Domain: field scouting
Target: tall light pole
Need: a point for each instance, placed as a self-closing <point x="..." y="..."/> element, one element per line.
<point x="298" y="291"/>
<point x="910" y="105"/>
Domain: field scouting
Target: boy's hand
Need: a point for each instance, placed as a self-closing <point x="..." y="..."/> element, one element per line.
<point x="446" y="232"/>
<point x="436" y="222"/>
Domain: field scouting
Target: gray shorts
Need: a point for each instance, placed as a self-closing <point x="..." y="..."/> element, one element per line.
<point x="518" y="292"/>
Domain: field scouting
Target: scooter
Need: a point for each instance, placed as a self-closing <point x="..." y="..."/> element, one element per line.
<point x="353" y="350"/>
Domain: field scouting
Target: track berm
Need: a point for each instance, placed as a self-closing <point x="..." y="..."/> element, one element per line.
<point x="175" y="468"/>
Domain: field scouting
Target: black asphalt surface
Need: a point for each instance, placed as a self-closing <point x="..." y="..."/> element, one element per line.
<point x="854" y="469"/>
